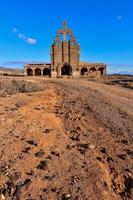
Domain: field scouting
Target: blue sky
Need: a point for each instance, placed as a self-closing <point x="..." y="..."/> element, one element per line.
<point x="103" y="28"/>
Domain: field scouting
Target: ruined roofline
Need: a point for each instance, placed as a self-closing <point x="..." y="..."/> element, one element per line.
<point x="31" y="64"/>
<point x="89" y="63"/>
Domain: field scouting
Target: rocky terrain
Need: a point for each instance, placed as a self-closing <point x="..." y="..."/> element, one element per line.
<point x="65" y="140"/>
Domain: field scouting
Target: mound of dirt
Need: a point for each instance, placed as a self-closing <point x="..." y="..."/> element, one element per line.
<point x="12" y="86"/>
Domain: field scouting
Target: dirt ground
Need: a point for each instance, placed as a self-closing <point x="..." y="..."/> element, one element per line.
<point x="65" y="139"/>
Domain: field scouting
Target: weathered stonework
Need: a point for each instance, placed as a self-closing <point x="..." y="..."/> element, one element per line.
<point x="65" y="60"/>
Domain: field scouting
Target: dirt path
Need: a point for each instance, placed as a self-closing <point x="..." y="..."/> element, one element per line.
<point x="74" y="140"/>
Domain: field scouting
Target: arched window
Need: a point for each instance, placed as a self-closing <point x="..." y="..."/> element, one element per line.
<point x="56" y="43"/>
<point x="93" y="70"/>
<point x="101" y="70"/>
<point x="73" y="43"/>
<point x="66" y="70"/>
<point x="29" y="72"/>
<point x="84" y="71"/>
<point x="37" y="72"/>
<point x="46" y="72"/>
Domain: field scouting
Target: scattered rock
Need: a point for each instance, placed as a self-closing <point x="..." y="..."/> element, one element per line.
<point x="49" y="178"/>
<point x="49" y="157"/>
<point x="55" y="153"/>
<point x="32" y="142"/>
<point x="103" y="150"/>
<point x="23" y="183"/>
<point x="83" y="145"/>
<point x="122" y="156"/>
<point x="8" y="189"/>
<point x="38" y="107"/>
<point x="45" y="190"/>
<point x="69" y="147"/>
<point x="127" y="193"/>
<point x="39" y="154"/>
<point x="53" y="189"/>
<point x="109" y="159"/>
<point x="81" y="150"/>
<point x="30" y="173"/>
<point x="75" y="137"/>
<point x="47" y="130"/>
<point x="130" y="153"/>
<point x="124" y="142"/>
<point x="15" y="176"/>
<point x="99" y="159"/>
<point x="26" y="150"/>
<point x="42" y="165"/>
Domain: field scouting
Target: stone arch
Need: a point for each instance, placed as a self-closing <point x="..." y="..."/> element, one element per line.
<point x="37" y="72"/>
<point x="29" y="72"/>
<point x="66" y="70"/>
<point x="84" y="71"/>
<point x="93" y="70"/>
<point x="46" y="72"/>
<point x="101" y="71"/>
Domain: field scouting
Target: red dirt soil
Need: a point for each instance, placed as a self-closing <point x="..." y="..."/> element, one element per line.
<point x="68" y="139"/>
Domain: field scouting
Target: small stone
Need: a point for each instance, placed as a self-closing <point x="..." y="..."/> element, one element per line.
<point x="47" y="130"/>
<point x="122" y="156"/>
<point x="15" y="176"/>
<point x="91" y="146"/>
<point x="124" y="142"/>
<point x="66" y="196"/>
<point x="109" y="159"/>
<point x="103" y="150"/>
<point x="30" y="173"/>
<point x="55" y="153"/>
<point x="42" y="165"/>
<point x="99" y="159"/>
<point x="26" y="150"/>
<point x="75" y="137"/>
<point x="32" y="142"/>
<point x="39" y="154"/>
<point x="3" y="197"/>
<point x="83" y="145"/>
<point x="53" y="189"/>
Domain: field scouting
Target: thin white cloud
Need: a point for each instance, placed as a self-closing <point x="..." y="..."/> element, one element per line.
<point x="14" y="30"/>
<point x="31" y="41"/>
<point x="119" y="18"/>
<point x="28" y="40"/>
<point x="22" y="36"/>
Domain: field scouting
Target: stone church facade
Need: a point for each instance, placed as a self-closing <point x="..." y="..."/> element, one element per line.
<point x="65" y="60"/>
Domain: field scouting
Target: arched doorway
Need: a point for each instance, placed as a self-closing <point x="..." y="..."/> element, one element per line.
<point x="29" y="72"/>
<point x="37" y="72"/>
<point x="84" y="71"/>
<point x="46" y="72"/>
<point x="66" y="70"/>
<point x="93" y="70"/>
<point x="101" y="71"/>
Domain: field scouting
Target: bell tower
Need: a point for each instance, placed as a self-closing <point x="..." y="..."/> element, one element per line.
<point x="64" y="52"/>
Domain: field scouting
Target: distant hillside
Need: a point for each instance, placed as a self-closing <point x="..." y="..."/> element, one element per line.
<point x="10" y="71"/>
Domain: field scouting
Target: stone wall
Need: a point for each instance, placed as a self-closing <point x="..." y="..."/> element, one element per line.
<point x="38" y="70"/>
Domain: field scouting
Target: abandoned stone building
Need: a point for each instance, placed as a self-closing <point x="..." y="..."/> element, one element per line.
<point x="65" y="60"/>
